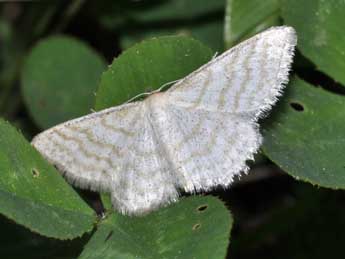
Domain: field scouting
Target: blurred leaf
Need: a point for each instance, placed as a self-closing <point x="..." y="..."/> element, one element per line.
<point x="195" y="227"/>
<point x="141" y="20"/>
<point x="210" y="33"/>
<point x="34" y="194"/>
<point x="319" y="25"/>
<point x="114" y="14"/>
<point x="180" y="9"/>
<point x="11" y="52"/>
<point x="147" y="66"/>
<point x="304" y="135"/>
<point x="59" y="80"/>
<point x="245" y="18"/>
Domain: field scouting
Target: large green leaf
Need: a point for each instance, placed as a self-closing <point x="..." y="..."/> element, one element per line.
<point x="34" y="194"/>
<point x="244" y="18"/>
<point x="195" y="227"/>
<point x="59" y="80"/>
<point x="319" y="25"/>
<point x="305" y="135"/>
<point x="147" y="66"/>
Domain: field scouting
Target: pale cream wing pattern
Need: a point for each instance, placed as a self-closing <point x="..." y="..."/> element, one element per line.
<point x="245" y="79"/>
<point x="196" y="135"/>
<point x="115" y="151"/>
<point x="205" y="148"/>
<point x="213" y="112"/>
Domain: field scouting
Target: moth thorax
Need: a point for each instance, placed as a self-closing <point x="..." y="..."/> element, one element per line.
<point x="157" y="100"/>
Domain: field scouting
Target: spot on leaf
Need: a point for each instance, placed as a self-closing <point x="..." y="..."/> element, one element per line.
<point x="196" y="226"/>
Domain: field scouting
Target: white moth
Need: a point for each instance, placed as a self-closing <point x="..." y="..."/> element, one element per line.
<point x="193" y="137"/>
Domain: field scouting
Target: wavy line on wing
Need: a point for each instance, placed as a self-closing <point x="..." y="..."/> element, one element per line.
<point x="248" y="71"/>
<point x="84" y="150"/>
<point x="116" y="129"/>
<point x="224" y="90"/>
<point x="262" y="68"/>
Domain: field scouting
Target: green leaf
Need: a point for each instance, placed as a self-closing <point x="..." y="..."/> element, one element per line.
<point x="195" y="227"/>
<point x="34" y="194"/>
<point x="147" y="66"/>
<point x="245" y="18"/>
<point x="305" y="135"/>
<point x="319" y="25"/>
<point x="59" y="79"/>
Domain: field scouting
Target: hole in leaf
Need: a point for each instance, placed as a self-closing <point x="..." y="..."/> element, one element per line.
<point x="202" y="208"/>
<point x="297" y="106"/>
<point x="35" y="172"/>
<point x="196" y="226"/>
